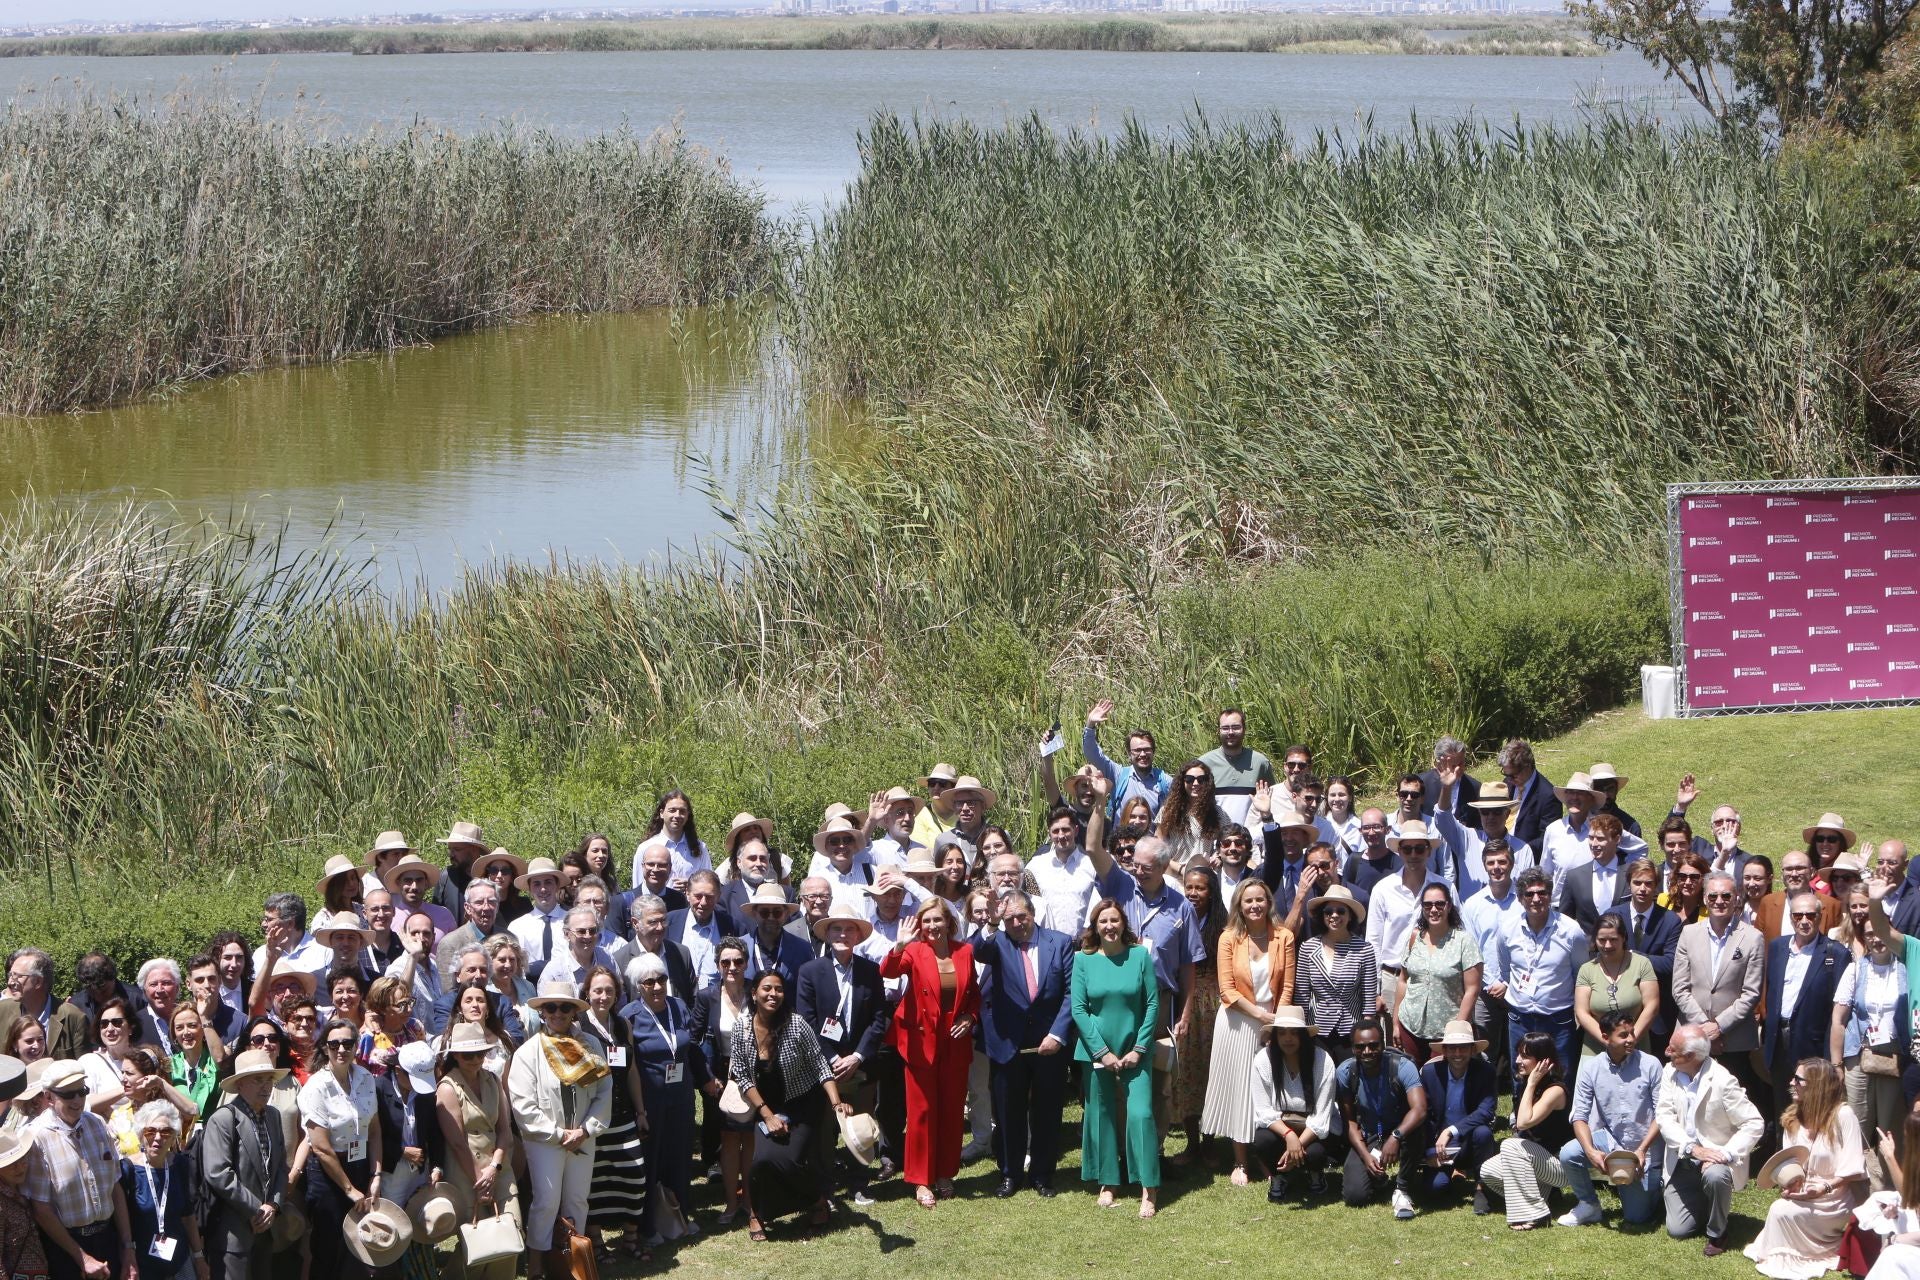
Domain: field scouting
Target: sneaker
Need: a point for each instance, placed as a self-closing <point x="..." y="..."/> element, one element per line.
<point x="1581" y="1215"/>
<point x="1276" y="1188"/>
<point x="1403" y="1204"/>
<point x="861" y="1198"/>
<point x="1316" y="1184"/>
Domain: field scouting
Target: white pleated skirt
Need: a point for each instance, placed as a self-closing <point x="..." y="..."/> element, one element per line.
<point x="1229" y="1109"/>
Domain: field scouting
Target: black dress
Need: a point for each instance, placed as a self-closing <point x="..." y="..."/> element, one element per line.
<point x="792" y="1173"/>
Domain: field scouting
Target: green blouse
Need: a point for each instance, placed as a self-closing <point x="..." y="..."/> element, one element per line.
<point x="1115" y="1003"/>
<point x="1621" y="993"/>
<point x="1436" y="979"/>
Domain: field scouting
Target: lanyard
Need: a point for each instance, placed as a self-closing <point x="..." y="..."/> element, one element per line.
<point x="669" y="1030"/>
<point x="843" y="974"/>
<point x="159" y="1199"/>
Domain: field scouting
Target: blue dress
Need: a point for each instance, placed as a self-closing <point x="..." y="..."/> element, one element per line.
<point x="145" y="1188"/>
<point x="659" y="1044"/>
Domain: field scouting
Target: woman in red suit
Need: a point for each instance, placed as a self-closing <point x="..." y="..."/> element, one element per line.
<point x="933" y="1032"/>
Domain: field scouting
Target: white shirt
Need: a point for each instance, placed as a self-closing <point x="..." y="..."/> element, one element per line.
<point x="849" y="886"/>
<point x="307" y="956"/>
<point x="1391" y="911"/>
<point x="1343" y="836"/>
<point x="1068" y="891"/>
<point x="1798" y="959"/>
<point x="687" y="858"/>
<point x="1562" y="848"/>
<point x="530" y="931"/>
<point x="346" y="1114"/>
<point x="1466" y="851"/>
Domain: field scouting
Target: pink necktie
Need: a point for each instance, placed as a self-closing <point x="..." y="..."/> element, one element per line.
<point x="1033" y="975"/>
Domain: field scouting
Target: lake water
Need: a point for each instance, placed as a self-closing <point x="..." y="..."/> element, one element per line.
<point x="608" y="437"/>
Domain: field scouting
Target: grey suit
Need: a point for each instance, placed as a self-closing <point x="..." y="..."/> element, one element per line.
<point x="240" y="1183"/>
<point x="1730" y="997"/>
<point x="450" y="946"/>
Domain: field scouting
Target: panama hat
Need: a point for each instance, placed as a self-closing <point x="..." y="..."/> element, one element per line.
<point x="378" y="1236"/>
<point x="1847" y="863"/>
<point x="1494" y="795"/>
<point x="13" y="1077"/>
<point x="1830" y="822"/>
<point x="743" y="823"/>
<point x="480" y="864"/>
<point x="769" y="894"/>
<point x="1413" y="829"/>
<point x="250" y="1065"/>
<point x="338" y="865"/>
<point x="410" y="863"/>
<point x="390" y="842"/>
<point x="14" y="1147"/>
<point x="966" y="784"/>
<point x="1085" y="773"/>
<point x="1603" y="772"/>
<point x="1622" y="1167"/>
<point x="887" y="881"/>
<point x="843" y="914"/>
<point x="557" y="990"/>
<point x="920" y="863"/>
<point x="1578" y="782"/>
<point x="1293" y="820"/>
<point x="834" y="827"/>
<point x="289" y="1225"/>
<point x="308" y="982"/>
<point x="1291" y="1017"/>
<point x="861" y="1133"/>
<point x="833" y="811"/>
<point x="534" y="870"/>
<point x="467" y="1037"/>
<point x="900" y="795"/>
<point x="1784" y="1168"/>
<point x="942" y="772"/>
<point x="1339" y="895"/>
<point x="1459" y="1031"/>
<point x="332" y="922"/>
<point x="464" y="833"/>
<point x="33" y="1084"/>
<point x="437" y="1210"/>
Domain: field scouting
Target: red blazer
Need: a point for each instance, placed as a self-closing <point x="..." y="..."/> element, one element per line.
<point x="920" y="1031"/>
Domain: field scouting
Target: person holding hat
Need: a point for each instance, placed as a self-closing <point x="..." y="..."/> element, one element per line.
<point x="843" y="998"/>
<point x="243" y="1158"/>
<point x="1711" y="1127"/>
<point x="476" y="1126"/>
<point x="1466" y="843"/>
<point x="20" y="1237"/>
<point x="1078" y="795"/>
<point x="1823" y="1145"/>
<point x="1293" y="1106"/>
<point x="673" y="828"/>
<point x="1613" y="1115"/>
<point x="158" y="1184"/>
<point x="73" y="1183"/>
<point x="463" y="842"/>
<point x="1462" y="1097"/>
<point x="345" y="1167"/>
<point x="561" y="1092"/>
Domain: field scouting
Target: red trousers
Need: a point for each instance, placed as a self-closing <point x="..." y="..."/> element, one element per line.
<point x="936" y="1113"/>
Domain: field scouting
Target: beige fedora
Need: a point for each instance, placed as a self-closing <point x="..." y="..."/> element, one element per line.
<point x="1339" y="895"/>
<point x="1293" y="820"/>
<point x="379" y="1235"/>
<point x="1578" y="782"/>
<point x="1086" y="773"/>
<point x="437" y="1210"/>
<point x="1413" y="829"/>
<point x="62" y="1073"/>
<point x="35" y="1079"/>
<point x="861" y="1133"/>
<point x="1290" y="1017"/>
<point x="14" y="1147"/>
<point x="467" y="1037"/>
<point x="480" y="864"/>
<point x="843" y="914"/>
<point x="835" y="810"/>
<point x="900" y="795"/>
<point x="289" y="1225"/>
<point x="338" y="865"/>
<point x="1622" y="1167"/>
<point x="332" y="922"/>
<point x="249" y="1065"/>
<point x="308" y="982"/>
<point x="920" y="863"/>
<point x="942" y="772"/>
<point x="557" y="990"/>
<point x="887" y="881"/>
<point x="1604" y="772"/>
<point x="1783" y="1168"/>
<point x="742" y="824"/>
<point x="1830" y="822"/>
<point x="465" y="833"/>
<point x="1494" y="795"/>
<point x="390" y="842"/>
<point x="834" y="827"/>
<point x="411" y="862"/>
<point x="769" y="894"/>
<point x="966" y="784"/>
<point x="534" y="870"/>
<point x="1459" y="1032"/>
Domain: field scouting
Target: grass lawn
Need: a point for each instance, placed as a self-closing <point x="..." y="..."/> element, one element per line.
<point x="1781" y="770"/>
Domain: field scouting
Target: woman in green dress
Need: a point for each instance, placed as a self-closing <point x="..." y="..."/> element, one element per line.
<point x="1115" y="1004"/>
<point x="1615" y="978"/>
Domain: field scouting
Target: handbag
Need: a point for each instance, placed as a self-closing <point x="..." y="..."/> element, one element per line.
<point x="487" y="1240"/>
<point x="733" y="1103"/>
<point x="665" y="1209"/>
<point x="1880" y="1060"/>
<point x="581" y="1262"/>
<point x="1164" y="1054"/>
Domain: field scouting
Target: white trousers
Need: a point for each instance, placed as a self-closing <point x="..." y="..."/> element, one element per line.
<point x="561" y="1181"/>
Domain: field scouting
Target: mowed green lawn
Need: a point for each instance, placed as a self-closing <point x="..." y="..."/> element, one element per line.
<point x="1781" y="770"/>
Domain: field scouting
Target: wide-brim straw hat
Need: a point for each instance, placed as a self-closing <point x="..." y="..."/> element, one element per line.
<point x="31" y="1085"/>
<point x="1848" y="863"/>
<point x="13" y="1077"/>
<point x="14" y="1147"/>
<point x="1784" y="1166"/>
<point x="843" y="914"/>
<point x="1086" y="773"/>
<point x="533" y="871"/>
<point x="886" y="882"/>
<point x="920" y="863"/>
<point x="835" y="827"/>
<point x="389" y="842"/>
<point x="1413" y="829"/>
<point x="480" y="864"/>
<point x="942" y="772"/>
<point x="378" y="1236"/>
<point x="1831" y="822"/>
<point x="861" y="1133"/>
<point x="1291" y="1017"/>
<point x="410" y="863"/>
<point x="1458" y="1032"/>
<point x="557" y="991"/>
<point x="769" y="894"/>
<point x="965" y="785"/>
<point x="1340" y="895"/>
<point x="900" y="795"/>
<point x="464" y="833"/>
<point x="338" y="865"/>
<point x="437" y="1210"/>
<point x="289" y="1225"/>
<point x="1494" y="795"/>
<point x="1604" y="772"/>
<point x="249" y="1065"/>
<point x="1621" y="1167"/>
<point x="308" y="980"/>
<point x="1293" y="820"/>
<point x="1578" y="782"/>
<point x="467" y="1037"/>
<point x="333" y="922"/>
<point x="742" y="824"/>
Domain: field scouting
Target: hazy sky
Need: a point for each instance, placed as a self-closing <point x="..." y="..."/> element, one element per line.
<point x="45" y="11"/>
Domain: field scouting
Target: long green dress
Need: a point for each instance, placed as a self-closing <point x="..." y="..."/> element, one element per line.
<point x="1115" y="1004"/>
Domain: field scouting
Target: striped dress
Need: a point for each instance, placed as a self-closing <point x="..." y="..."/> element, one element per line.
<point x="619" y="1191"/>
<point x="1342" y="984"/>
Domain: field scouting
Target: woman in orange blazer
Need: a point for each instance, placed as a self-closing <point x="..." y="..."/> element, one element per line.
<point x="933" y="1032"/>
<point x="1256" y="976"/>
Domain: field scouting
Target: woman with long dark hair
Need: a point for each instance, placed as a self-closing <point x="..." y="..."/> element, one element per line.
<point x="776" y="1061"/>
<point x="1190" y="817"/>
<point x="1293" y="1111"/>
<point x="1439" y="980"/>
<point x="341" y="1114"/>
<point x="1529" y="1161"/>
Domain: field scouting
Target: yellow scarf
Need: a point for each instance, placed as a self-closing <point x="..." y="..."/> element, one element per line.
<point x="570" y="1061"/>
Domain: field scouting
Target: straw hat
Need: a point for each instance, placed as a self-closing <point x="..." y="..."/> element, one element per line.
<point x="464" y="833"/>
<point x="1622" y="1167"/>
<point x="289" y="1225"/>
<point x="248" y="1065"/>
<point x="534" y="870"/>
<point x="410" y="863"/>
<point x="390" y="842"/>
<point x="1494" y="795"/>
<point x="769" y="894"/>
<point x="1085" y="773"/>
<point x="378" y="1236"/>
<point x="1460" y="1032"/>
<point x="309" y="982"/>
<point x="1343" y="896"/>
<point x="1848" y="862"/>
<point x="887" y="881"/>
<point x="834" y="827"/>
<point x="1412" y="829"/>
<point x="437" y="1210"/>
<point x="338" y="865"/>
<point x="64" y="1073"/>
<point x="13" y="1077"/>
<point x="557" y="990"/>
<point x="467" y="1037"/>
<point x="920" y="863"/>
<point x="1831" y="822"/>
<point x="1291" y="1017"/>
<point x="1578" y="782"/>
<point x="332" y="922"/>
<point x="480" y="864"/>
<point x="417" y="1061"/>
<point x="1784" y="1168"/>
<point x="942" y="772"/>
<point x="1603" y="772"/>
<point x="842" y="913"/>
<point x="965" y="785"/>
<point x="861" y="1133"/>
<point x="14" y="1147"/>
<point x="34" y="1083"/>
<point x="833" y="811"/>
<point x="899" y="795"/>
<point x="1293" y="820"/>
<point x="742" y="824"/>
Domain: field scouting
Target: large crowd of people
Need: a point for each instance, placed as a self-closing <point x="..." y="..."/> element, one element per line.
<point x="451" y="1060"/>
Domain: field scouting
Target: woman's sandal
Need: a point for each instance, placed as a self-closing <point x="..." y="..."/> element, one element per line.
<point x="925" y="1196"/>
<point x="756" y="1232"/>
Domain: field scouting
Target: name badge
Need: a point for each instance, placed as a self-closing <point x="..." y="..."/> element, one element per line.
<point x="832" y="1030"/>
<point x="357" y="1149"/>
<point x="163" y="1248"/>
<point x="617" y="1057"/>
<point x="676" y="1072"/>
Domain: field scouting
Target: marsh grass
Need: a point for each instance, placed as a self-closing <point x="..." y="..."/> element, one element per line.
<point x="144" y="244"/>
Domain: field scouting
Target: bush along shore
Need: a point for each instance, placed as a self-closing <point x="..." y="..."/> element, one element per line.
<point x="1197" y="33"/>
<point x="145" y="244"/>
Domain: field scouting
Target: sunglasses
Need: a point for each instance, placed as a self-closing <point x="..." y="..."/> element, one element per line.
<point x="113" y="1022"/>
<point x="1434" y="906"/>
<point x="1719" y="897"/>
<point x="1413" y="795"/>
<point x="341" y="1044"/>
<point x="270" y="1039"/>
<point x="1806" y="915"/>
<point x="68" y="1095"/>
<point x="1192" y="778"/>
<point x="733" y="964"/>
<point x="1823" y="838"/>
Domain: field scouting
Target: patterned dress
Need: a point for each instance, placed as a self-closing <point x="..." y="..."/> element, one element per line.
<point x="1195" y="1049"/>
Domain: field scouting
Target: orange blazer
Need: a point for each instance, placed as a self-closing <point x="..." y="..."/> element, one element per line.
<point x="1236" y="966"/>
<point x="920" y="1030"/>
<point x="1770" y="916"/>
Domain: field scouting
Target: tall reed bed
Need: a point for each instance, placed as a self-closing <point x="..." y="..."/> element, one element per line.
<point x="1459" y="337"/>
<point x="144" y="244"/>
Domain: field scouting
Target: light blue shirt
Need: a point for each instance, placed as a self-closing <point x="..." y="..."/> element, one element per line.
<point x="1538" y="968"/>
<point x="1464" y="850"/>
<point x="1617" y="1102"/>
<point x="1486" y="916"/>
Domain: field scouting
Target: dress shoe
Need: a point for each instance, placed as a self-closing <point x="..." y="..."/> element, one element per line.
<point x="1044" y="1190"/>
<point x="1715" y="1247"/>
<point x="1006" y="1189"/>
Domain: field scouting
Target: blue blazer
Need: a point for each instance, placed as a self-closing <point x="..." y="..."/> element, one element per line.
<point x="1659" y="939"/>
<point x="677" y="922"/>
<point x="790" y="957"/>
<point x="1539" y="809"/>
<point x="1481" y="1096"/>
<point x="1813" y="1024"/>
<point x="1011" y="1022"/>
<point x="819" y="998"/>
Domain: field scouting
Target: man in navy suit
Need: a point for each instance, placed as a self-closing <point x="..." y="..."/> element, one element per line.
<point x="1026" y="1020"/>
<point x="701" y="924"/>
<point x="1654" y="932"/>
<point x="1803" y="972"/>
<point x="1594" y="888"/>
<point x="843" y="998"/>
<point x="1539" y="807"/>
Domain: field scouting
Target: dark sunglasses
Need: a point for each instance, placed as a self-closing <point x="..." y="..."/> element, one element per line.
<point x="68" y="1095"/>
<point x="263" y="1039"/>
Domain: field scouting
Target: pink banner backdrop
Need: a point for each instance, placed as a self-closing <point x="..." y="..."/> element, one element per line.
<point x="1799" y="599"/>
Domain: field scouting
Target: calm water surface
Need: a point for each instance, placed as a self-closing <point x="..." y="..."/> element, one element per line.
<point x="609" y="437"/>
